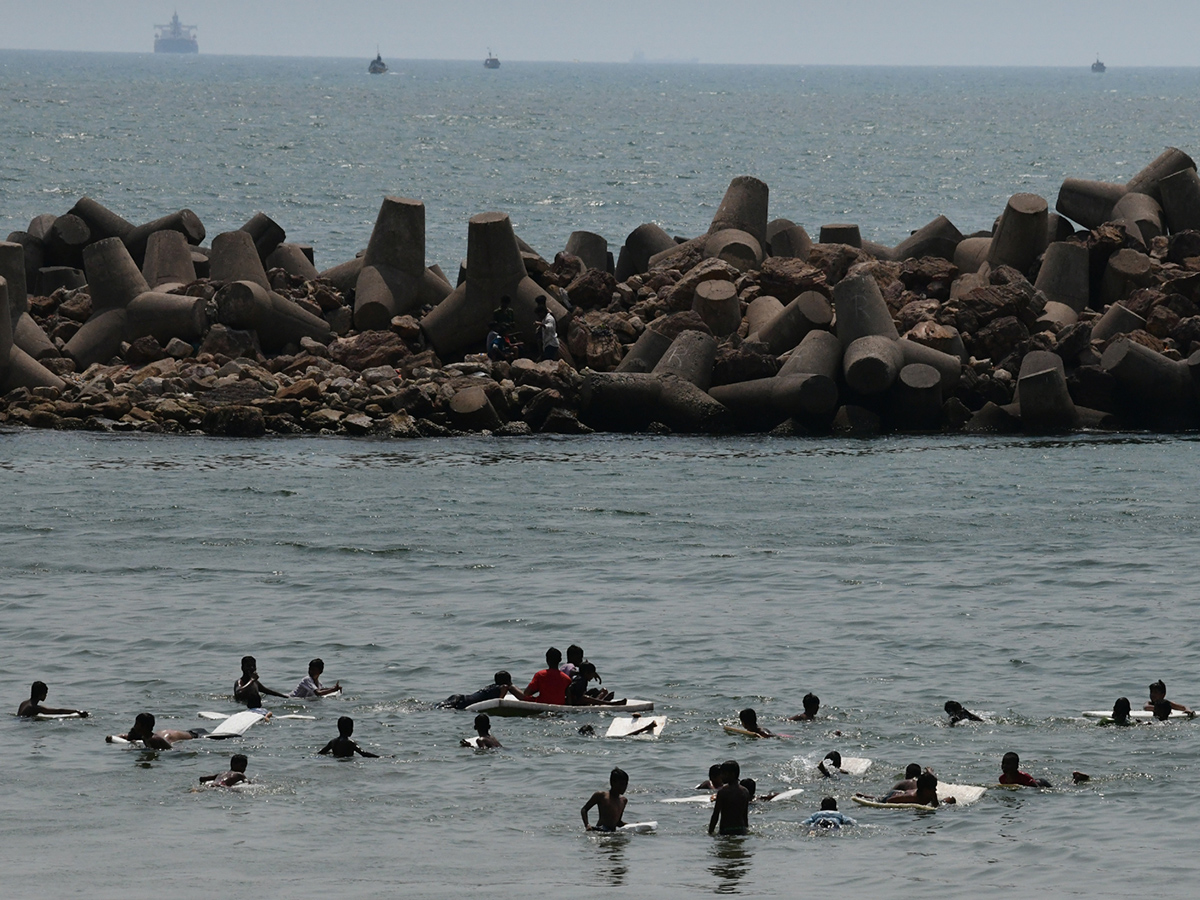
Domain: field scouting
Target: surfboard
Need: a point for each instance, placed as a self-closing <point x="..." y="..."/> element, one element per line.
<point x="638" y="827"/>
<point x="787" y="795"/>
<point x="963" y="794"/>
<point x="236" y="725"/>
<point x="695" y="798"/>
<point x="636" y="727"/>
<point x="266" y="714"/>
<point x="510" y="706"/>
<point x="876" y="804"/>
<point x="853" y="765"/>
<point x="1142" y="715"/>
<point x="53" y="717"/>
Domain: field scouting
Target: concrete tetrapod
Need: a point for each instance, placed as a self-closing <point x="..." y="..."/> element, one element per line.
<point x="1141" y="211"/>
<point x="1116" y="320"/>
<point x="100" y="338"/>
<point x="947" y="365"/>
<point x="494" y="269"/>
<point x="738" y="248"/>
<point x="1020" y="237"/>
<point x="916" y="401"/>
<point x="277" y="320"/>
<point x="840" y="233"/>
<point x="235" y="258"/>
<point x="861" y="310"/>
<point x="1042" y="396"/>
<point x="343" y="276"/>
<point x="872" y="363"/>
<point x="763" y="403"/>
<point x="473" y="411"/>
<point x="971" y="253"/>
<point x="102" y="221"/>
<point x="393" y="279"/>
<point x="1167" y="163"/>
<point x="808" y="312"/>
<point x="1063" y="277"/>
<point x="762" y="309"/>
<point x="184" y="221"/>
<point x="939" y="238"/>
<point x="66" y="240"/>
<point x="168" y="260"/>
<point x="717" y="304"/>
<point x="266" y="233"/>
<point x="1181" y="200"/>
<point x="641" y="244"/>
<point x="690" y="357"/>
<point x="17" y="368"/>
<point x="820" y="353"/>
<point x="23" y="330"/>
<point x="631" y="401"/>
<point x="166" y="316"/>
<point x="1152" y="389"/>
<point x="1090" y="203"/>
<point x="591" y="248"/>
<point x="645" y="353"/>
<point x="1127" y="270"/>
<point x="744" y="208"/>
<point x="293" y="260"/>
<point x="113" y="277"/>
<point x="792" y="242"/>
<point x="34" y="252"/>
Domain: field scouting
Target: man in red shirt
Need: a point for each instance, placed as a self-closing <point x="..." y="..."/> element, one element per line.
<point x="1010" y="768"/>
<point x="549" y="685"/>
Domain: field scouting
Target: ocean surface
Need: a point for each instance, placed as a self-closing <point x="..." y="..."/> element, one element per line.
<point x="1028" y="579"/>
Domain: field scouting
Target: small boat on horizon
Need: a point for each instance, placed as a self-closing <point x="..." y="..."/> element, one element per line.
<point x="491" y="62"/>
<point x="377" y="66"/>
<point x="1098" y="66"/>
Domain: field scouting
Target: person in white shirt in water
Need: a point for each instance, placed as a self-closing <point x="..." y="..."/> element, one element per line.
<point x="310" y="685"/>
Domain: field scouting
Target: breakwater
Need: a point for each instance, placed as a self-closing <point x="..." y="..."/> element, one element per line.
<point x="1084" y="317"/>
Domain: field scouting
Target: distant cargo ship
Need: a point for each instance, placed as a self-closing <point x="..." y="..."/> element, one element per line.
<point x="491" y="62"/>
<point x="175" y="37"/>
<point x="1098" y="66"/>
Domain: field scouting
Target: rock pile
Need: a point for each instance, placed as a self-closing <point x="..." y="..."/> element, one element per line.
<point x="1035" y="326"/>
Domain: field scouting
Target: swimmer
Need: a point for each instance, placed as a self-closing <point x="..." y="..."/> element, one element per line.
<point x="1010" y="773"/>
<point x="1163" y="710"/>
<point x="957" y="713"/>
<point x="1120" y="712"/>
<point x="578" y="693"/>
<point x="831" y="765"/>
<point x="143" y="730"/>
<point x="714" y="779"/>
<point x="342" y="746"/>
<point x="33" y="706"/>
<point x="310" y="685"/>
<point x="1158" y="694"/>
<point x="501" y="686"/>
<point x="248" y="689"/>
<point x="829" y="816"/>
<point x="732" y="807"/>
<point x="812" y="703"/>
<point x="235" y="775"/>
<point x="609" y="804"/>
<point x="483" y="728"/>
<point x="749" y="719"/>
<point x="924" y="794"/>
<point x="908" y="783"/>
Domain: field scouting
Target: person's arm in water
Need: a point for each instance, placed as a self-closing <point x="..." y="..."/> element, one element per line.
<point x="29" y="709"/>
<point x="594" y="800"/>
<point x="361" y="752"/>
<point x="328" y="748"/>
<point x="263" y="689"/>
<point x="326" y="691"/>
<point x="718" y="808"/>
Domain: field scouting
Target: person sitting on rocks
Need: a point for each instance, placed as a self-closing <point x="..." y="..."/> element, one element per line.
<point x="33" y="706"/>
<point x="958" y="713"/>
<point x="549" y="685"/>
<point x="248" y="689"/>
<point x="235" y="775"/>
<point x="829" y="816"/>
<point x="310" y="685"/>
<point x="749" y="720"/>
<point x="342" y="746"/>
<point x="1158" y="693"/>
<point x="812" y="703"/>
<point x="501" y="686"/>
<point x="498" y="345"/>
<point x="143" y="731"/>
<point x="505" y="317"/>
<point x="485" y="739"/>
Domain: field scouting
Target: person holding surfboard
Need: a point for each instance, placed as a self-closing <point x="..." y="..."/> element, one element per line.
<point x="33" y="706"/>
<point x="549" y="685"/>
<point x="1158" y="694"/>
<point x="342" y="747"/>
<point x="812" y="703"/>
<point x="731" y="809"/>
<point x="248" y="689"/>
<point x="923" y="794"/>
<point x="310" y="685"/>
<point x="749" y="719"/>
<point x="610" y="804"/>
<point x="143" y="731"/>
<point x="485" y="739"/>
<point x="235" y="775"/>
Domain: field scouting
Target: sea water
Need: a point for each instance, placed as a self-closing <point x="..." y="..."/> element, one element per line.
<point x="1028" y="579"/>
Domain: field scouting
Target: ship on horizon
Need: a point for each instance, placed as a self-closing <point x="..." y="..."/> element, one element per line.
<point x="1098" y="66"/>
<point x="175" y="37"/>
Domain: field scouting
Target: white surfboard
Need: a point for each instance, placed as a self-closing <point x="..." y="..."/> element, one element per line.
<point x="851" y="765"/>
<point x="510" y="706"/>
<point x="53" y="717"/>
<point x="877" y="804"/>
<point x="235" y="725"/>
<point x="1142" y="715"/>
<point x="636" y="727"/>
<point x="963" y="794"/>
<point x="266" y="714"/>
<point x="695" y="798"/>
<point x="638" y="827"/>
<point x="787" y="795"/>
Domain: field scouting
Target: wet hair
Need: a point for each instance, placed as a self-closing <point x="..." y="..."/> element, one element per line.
<point x="1121" y="708"/>
<point x="318" y="664"/>
<point x="912" y="770"/>
<point x="1159" y="686"/>
<point x="714" y="771"/>
<point x="730" y="771"/>
<point x="553" y="657"/>
<point x="811" y="702"/>
<point x="1162" y="710"/>
<point x="829" y="803"/>
<point x="575" y="654"/>
<point x="238" y="762"/>
<point x="750" y="785"/>
<point x="345" y="726"/>
<point x="38" y="691"/>
<point x="587" y="668"/>
<point x="1008" y="759"/>
<point x="142" y="724"/>
<point x="483" y="723"/>
<point x="749" y="717"/>
<point x="502" y="677"/>
<point x="249" y="664"/>
<point x="618" y="778"/>
<point x="926" y="780"/>
<point x="952" y="707"/>
<point x="834" y="757"/>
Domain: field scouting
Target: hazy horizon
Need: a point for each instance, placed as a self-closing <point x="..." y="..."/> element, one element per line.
<point x="939" y="33"/>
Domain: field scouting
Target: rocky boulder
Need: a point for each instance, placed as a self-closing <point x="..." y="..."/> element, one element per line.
<point x="369" y="349"/>
<point x="786" y="278"/>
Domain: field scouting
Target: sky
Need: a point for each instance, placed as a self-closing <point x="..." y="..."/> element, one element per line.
<point x="800" y="32"/>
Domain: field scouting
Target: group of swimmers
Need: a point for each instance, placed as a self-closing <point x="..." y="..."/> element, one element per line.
<point x="559" y="684"/>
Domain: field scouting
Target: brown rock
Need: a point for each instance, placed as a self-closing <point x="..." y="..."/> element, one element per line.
<point x="746" y="362"/>
<point x="603" y="350"/>
<point x="564" y="421"/>
<point x="915" y="312"/>
<point x="301" y="389"/>
<point x="929" y="276"/>
<point x="986" y="304"/>
<point x="144" y="350"/>
<point x="672" y="326"/>
<point x="1162" y="322"/>
<point x="834" y="261"/>
<point x="999" y="338"/>
<point x="222" y="340"/>
<point x="323" y="418"/>
<point x="1145" y="338"/>
<point x="407" y="327"/>
<point x="1072" y="341"/>
<point x="786" y="278"/>
<point x="592" y="289"/>
<point x="358" y="423"/>
<point x="1186" y="331"/>
<point x="679" y="297"/>
<point x="77" y="307"/>
<point x="234" y="421"/>
<point x="424" y="359"/>
<point x="369" y="349"/>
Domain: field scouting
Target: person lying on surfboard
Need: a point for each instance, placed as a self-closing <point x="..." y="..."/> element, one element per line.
<point x="248" y="689"/>
<point x="1158" y="694"/>
<point x="483" y="728"/>
<point x="731" y="810"/>
<point x="143" y="730"/>
<point x="33" y="706"/>
<point x="342" y="747"/>
<point x="610" y="804"/>
<point x="812" y="703"/>
<point x="310" y="685"/>
<point x="924" y="794"/>
<point x="548" y="685"/>
<point x="829" y="816"/>
<point x="501" y="686"/>
<point x="908" y="783"/>
<point x="1010" y="773"/>
<point x="749" y="720"/>
<point x="958" y="713"/>
<point x="235" y="775"/>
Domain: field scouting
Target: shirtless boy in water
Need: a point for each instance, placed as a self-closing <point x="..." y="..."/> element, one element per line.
<point x="749" y="719"/>
<point x="342" y="747"/>
<point x="248" y="689"/>
<point x="143" y="730"/>
<point x="235" y="775"/>
<point x="732" y="807"/>
<point x="924" y="794"/>
<point x="610" y="804"/>
<point x="483" y="728"/>
<point x="33" y="706"/>
<point x="812" y="703"/>
<point x="1158" y="694"/>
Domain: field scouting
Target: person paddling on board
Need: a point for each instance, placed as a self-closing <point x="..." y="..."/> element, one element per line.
<point x="908" y="783"/>
<point x="1158" y="694"/>
<point x="235" y="775"/>
<point x="731" y="809"/>
<point x="248" y="689"/>
<point x="310" y="685"/>
<point x="550" y="684"/>
<point x="1010" y="773"/>
<point x="924" y="794"/>
<point x="749" y="719"/>
<point x="483" y="728"/>
<point x="958" y="713"/>
<point x="33" y="706"/>
<point x="812" y="703"/>
<point x="829" y="816"/>
<point x="610" y="804"/>
<point x="831" y="765"/>
<point x="342" y="747"/>
<point x="501" y="686"/>
<point x="143" y="730"/>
